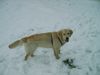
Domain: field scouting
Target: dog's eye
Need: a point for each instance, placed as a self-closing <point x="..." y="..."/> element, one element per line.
<point x="64" y="34"/>
<point x="68" y="33"/>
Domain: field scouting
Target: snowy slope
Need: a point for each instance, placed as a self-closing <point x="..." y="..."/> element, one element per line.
<point x="19" y="18"/>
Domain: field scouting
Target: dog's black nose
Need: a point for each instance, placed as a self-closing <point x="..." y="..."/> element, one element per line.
<point x="67" y="39"/>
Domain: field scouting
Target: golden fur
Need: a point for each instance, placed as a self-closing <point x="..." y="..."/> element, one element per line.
<point x="47" y="40"/>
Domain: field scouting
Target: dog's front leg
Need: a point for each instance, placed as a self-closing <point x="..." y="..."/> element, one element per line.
<point x="56" y="45"/>
<point x="56" y="52"/>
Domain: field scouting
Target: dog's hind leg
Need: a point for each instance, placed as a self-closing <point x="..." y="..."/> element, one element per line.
<point x="30" y="49"/>
<point x="30" y="53"/>
<point x="26" y="56"/>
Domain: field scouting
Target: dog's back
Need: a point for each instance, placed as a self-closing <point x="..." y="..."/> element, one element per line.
<point x="32" y="38"/>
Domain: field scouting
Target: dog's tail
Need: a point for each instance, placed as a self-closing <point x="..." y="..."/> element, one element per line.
<point x="15" y="44"/>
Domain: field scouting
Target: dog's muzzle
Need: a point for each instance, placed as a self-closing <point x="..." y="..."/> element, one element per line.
<point x="67" y="39"/>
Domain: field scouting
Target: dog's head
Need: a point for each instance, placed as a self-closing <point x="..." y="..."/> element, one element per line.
<point x="65" y="34"/>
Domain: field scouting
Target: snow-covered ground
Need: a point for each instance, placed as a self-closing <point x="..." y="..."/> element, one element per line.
<point x="19" y="18"/>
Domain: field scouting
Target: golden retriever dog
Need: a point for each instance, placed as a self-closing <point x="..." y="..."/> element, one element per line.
<point x="47" y="40"/>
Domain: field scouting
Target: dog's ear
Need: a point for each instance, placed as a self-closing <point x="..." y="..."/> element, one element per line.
<point x="71" y="31"/>
<point x="59" y="34"/>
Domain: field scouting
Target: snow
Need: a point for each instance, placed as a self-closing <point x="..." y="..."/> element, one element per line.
<point x="20" y="18"/>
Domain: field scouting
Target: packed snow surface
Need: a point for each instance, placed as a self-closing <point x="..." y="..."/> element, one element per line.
<point x="20" y="18"/>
